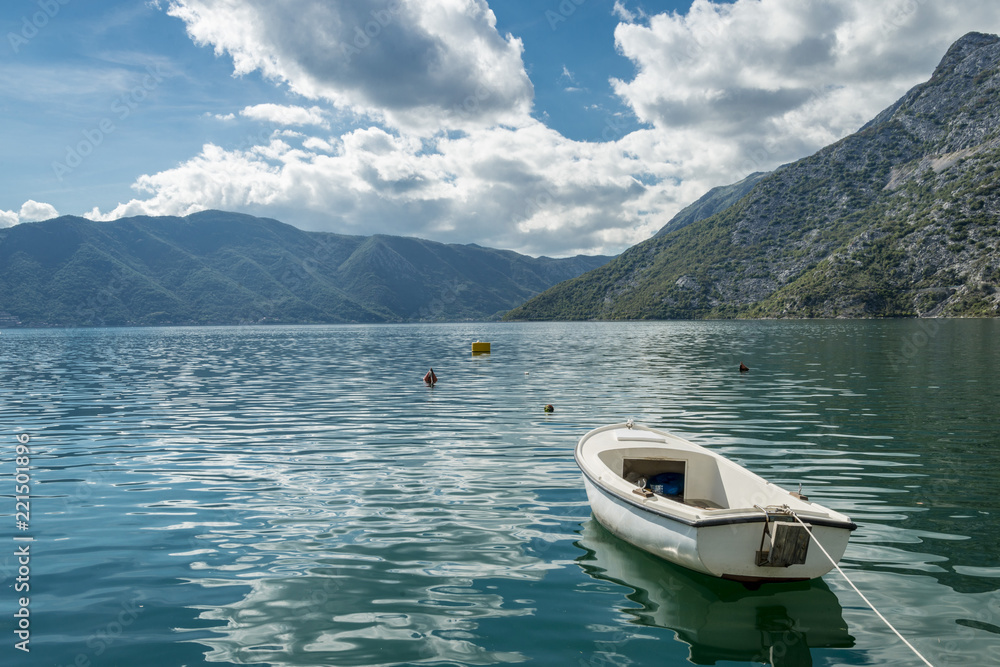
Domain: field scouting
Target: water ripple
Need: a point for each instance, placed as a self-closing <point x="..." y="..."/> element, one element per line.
<point x="297" y="496"/>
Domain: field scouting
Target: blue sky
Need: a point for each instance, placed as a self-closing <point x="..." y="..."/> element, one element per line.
<point x="546" y="126"/>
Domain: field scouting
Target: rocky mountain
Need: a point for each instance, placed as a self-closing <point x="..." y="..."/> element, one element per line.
<point x="898" y="219"/>
<point x="717" y="199"/>
<point x="226" y="268"/>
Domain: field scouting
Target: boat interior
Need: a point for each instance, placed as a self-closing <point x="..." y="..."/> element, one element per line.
<point x="701" y="484"/>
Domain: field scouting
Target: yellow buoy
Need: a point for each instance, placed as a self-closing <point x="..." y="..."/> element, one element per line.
<point x="480" y="348"/>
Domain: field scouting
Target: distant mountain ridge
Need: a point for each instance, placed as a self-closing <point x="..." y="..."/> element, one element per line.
<point x="215" y="267"/>
<point x="899" y="219"/>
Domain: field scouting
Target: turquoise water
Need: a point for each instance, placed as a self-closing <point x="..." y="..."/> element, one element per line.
<point x="297" y="496"/>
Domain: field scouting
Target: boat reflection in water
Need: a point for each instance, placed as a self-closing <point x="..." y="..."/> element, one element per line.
<point x="720" y="620"/>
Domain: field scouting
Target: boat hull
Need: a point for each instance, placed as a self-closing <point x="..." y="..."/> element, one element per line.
<point x="725" y="550"/>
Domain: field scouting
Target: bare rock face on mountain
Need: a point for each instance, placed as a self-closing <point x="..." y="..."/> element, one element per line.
<point x="901" y="218"/>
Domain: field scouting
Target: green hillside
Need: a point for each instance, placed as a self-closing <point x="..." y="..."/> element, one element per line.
<point x="225" y="268"/>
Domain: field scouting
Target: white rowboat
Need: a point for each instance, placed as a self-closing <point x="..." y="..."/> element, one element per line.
<point x="710" y="514"/>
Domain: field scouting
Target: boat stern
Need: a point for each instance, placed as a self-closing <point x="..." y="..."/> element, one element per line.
<point x="775" y="550"/>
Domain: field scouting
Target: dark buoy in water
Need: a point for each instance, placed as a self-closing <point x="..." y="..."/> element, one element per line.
<point x="743" y="367"/>
<point x="549" y="408"/>
<point x="430" y="378"/>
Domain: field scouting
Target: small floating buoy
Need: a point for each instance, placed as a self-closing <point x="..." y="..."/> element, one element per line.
<point x="480" y="348"/>
<point x="430" y="378"/>
<point x="743" y="367"/>
<point x="549" y="408"/>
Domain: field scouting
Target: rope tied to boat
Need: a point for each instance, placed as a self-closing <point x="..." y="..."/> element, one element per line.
<point x="785" y="509"/>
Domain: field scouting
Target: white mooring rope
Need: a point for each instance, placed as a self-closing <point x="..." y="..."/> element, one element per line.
<point x="856" y="590"/>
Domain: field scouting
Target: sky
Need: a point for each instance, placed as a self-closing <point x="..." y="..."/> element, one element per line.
<point x="548" y="127"/>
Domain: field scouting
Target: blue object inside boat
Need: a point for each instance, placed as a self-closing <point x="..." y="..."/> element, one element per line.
<point x="667" y="483"/>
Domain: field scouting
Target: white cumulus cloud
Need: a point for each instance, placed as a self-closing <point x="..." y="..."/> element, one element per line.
<point x="527" y="188"/>
<point x="625" y="14"/>
<point x="32" y="211"/>
<point x="8" y="219"/>
<point x="414" y="64"/>
<point x="282" y="114"/>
